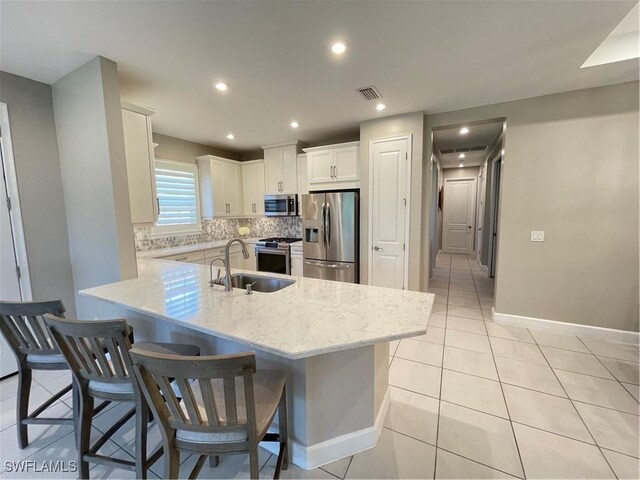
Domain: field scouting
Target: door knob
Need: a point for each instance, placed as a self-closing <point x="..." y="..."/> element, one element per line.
<point x="376" y="248"/>
<point x="469" y="226"/>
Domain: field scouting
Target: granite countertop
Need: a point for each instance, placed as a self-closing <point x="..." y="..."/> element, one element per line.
<point x="194" y="247"/>
<point x="309" y="318"/>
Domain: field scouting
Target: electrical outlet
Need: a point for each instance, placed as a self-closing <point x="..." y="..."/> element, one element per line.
<point x="537" y="236"/>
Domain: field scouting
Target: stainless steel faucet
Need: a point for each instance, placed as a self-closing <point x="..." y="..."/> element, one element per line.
<point x="227" y="265"/>
<point x="213" y="282"/>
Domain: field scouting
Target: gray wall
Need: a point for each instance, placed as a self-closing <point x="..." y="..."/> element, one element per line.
<point x="40" y="187"/>
<point x="94" y="176"/>
<point x="570" y="169"/>
<point x="179" y="150"/>
<point x="387" y="127"/>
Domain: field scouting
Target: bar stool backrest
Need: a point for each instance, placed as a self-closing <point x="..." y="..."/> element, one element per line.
<point x="23" y="326"/>
<point x="96" y="350"/>
<point x="216" y="392"/>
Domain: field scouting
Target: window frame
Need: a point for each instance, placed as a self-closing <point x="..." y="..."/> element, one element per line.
<point x="182" y="229"/>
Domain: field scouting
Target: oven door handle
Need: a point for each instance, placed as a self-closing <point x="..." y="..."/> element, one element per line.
<point x="335" y="266"/>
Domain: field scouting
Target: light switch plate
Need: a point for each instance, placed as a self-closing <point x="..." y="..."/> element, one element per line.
<point x="537" y="236"/>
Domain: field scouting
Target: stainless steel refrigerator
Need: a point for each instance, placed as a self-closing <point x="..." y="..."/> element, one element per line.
<point x="330" y="231"/>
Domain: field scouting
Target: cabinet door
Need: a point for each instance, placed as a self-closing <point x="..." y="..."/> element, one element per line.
<point x="250" y="263"/>
<point x="258" y="189"/>
<point x="272" y="170"/>
<point x="289" y="169"/>
<point x="248" y="185"/>
<point x="218" y="185"/>
<point x="139" y="158"/>
<point x="296" y="265"/>
<point x="233" y="189"/>
<point x="319" y="165"/>
<point x="346" y="164"/>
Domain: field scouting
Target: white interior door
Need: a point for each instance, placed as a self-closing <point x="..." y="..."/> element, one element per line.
<point x="459" y="215"/>
<point x="388" y="203"/>
<point x="9" y="282"/>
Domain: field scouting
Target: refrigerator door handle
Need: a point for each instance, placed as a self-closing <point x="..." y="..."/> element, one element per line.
<point x="324" y="224"/>
<point x="328" y="224"/>
<point x="327" y="265"/>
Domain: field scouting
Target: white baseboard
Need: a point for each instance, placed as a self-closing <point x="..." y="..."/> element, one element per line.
<point x="566" y="327"/>
<point x="336" y="448"/>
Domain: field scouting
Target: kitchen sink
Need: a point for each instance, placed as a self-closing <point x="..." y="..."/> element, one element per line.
<point x="259" y="283"/>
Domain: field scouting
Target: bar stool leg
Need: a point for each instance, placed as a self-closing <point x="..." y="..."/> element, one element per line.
<point x="22" y="412"/>
<point x="142" y="421"/>
<point x="171" y="460"/>
<point x="84" y="435"/>
<point x="253" y="460"/>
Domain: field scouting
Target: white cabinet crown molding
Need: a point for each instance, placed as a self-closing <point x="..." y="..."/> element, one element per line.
<point x="330" y="147"/>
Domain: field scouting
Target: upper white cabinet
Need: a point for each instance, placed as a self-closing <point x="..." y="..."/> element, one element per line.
<point x="280" y="168"/>
<point x="303" y="184"/>
<point x="138" y="147"/>
<point x="333" y="167"/>
<point x="253" y="187"/>
<point x="220" y="186"/>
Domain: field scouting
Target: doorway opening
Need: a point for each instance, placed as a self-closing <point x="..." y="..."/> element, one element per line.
<point x="466" y="173"/>
<point x="15" y="284"/>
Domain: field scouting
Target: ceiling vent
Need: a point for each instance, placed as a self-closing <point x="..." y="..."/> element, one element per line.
<point x="478" y="149"/>
<point x="444" y="152"/>
<point x="369" y="93"/>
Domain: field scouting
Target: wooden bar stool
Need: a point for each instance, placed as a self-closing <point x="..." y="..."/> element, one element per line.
<point x="226" y="406"/>
<point x="98" y="354"/>
<point x="23" y="327"/>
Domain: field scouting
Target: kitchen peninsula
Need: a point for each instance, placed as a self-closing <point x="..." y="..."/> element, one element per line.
<point x="330" y="338"/>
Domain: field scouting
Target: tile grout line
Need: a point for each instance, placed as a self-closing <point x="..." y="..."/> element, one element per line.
<point x="575" y="408"/>
<point x="444" y="340"/>
<point x="506" y="405"/>
<point x="607" y="369"/>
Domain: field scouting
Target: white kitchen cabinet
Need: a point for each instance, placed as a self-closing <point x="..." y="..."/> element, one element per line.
<point x="280" y="169"/>
<point x="296" y="260"/>
<point x="191" y="257"/>
<point x="138" y="148"/>
<point x="303" y="183"/>
<point x="250" y="263"/>
<point x="253" y="187"/>
<point x="333" y="167"/>
<point x="220" y="186"/>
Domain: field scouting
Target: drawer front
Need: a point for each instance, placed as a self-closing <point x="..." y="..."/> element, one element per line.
<point x="219" y="252"/>
<point x="191" y="257"/>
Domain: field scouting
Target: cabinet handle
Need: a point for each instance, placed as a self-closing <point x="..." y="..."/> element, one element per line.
<point x="180" y="259"/>
<point x="158" y="204"/>
<point x="335" y="172"/>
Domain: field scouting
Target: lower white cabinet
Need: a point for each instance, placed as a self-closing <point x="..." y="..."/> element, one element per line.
<point x="191" y="257"/>
<point x="296" y="260"/>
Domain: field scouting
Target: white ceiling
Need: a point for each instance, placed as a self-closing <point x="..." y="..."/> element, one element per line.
<point x="450" y="139"/>
<point x="430" y="55"/>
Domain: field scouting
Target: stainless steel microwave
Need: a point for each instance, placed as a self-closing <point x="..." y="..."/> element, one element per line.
<point x="280" y="205"/>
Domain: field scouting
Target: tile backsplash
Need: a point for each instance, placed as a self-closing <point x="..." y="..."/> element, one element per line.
<point x="221" y="229"/>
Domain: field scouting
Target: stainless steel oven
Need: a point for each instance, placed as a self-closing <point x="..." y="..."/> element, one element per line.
<point x="280" y="205"/>
<point x="275" y="260"/>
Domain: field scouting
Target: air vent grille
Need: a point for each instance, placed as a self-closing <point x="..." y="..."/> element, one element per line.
<point x="369" y="93"/>
<point x="463" y="150"/>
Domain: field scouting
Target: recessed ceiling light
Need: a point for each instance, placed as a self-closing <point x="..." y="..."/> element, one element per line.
<point x="503" y="151"/>
<point x="294" y="124"/>
<point x="231" y="136"/>
<point x="222" y="86"/>
<point x="462" y="155"/>
<point x="460" y="165"/>
<point x="464" y="131"/>
<point x="338" y="48"/>
<point x="380" y="107"/>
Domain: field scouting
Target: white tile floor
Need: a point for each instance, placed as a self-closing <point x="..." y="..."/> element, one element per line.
<point x="470" y="399"/>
